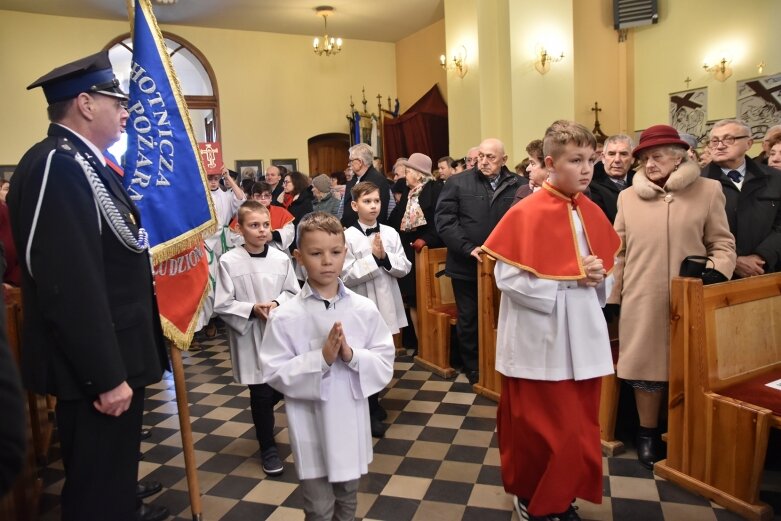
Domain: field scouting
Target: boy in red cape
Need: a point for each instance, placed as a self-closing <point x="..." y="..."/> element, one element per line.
<point x="554" y="250"/>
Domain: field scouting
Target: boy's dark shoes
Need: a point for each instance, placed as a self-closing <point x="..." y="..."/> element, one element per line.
<point x="151" y="513"/>
<point x="211" y="330"/>
<point x="146" y="434"/>
<point x="378" y="428"/>
<point x="570" y="515"/>
<point x="272" y="465"/>
<point x="473" y="377"/>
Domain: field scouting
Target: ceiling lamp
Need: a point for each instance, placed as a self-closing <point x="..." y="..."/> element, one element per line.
<point x="329" y="45"/>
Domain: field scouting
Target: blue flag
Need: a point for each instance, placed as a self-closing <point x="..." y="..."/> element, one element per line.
<point x="163" y="172"/>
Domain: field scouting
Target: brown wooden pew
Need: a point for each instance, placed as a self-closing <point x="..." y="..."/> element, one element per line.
<point x="725" y="345"/>
<point x="490" y="383"/>
<point x="21" y="502"/>
<point x="436" y="311"/>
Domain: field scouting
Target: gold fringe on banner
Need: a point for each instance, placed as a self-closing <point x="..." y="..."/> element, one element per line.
<point x="183" y="339"/>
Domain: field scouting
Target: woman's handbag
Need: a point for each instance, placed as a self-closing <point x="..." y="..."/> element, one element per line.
<point x="697" y="266"/>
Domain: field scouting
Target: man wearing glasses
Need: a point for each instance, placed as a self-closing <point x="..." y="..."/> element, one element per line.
<point x="753" y="193"/>
<point x="360" y="161"/>
<point x="92" y="334"/>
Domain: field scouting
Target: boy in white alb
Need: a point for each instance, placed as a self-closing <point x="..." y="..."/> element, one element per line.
<point x="553" y="250"/>
<point x="327" y="349"/>
<point x="253" y="279"/>
<point x="225" y="205"/>
<point x="375" y="260"/>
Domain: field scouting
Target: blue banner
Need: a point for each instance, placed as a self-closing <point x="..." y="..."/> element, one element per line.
<point x="163" y="172"/>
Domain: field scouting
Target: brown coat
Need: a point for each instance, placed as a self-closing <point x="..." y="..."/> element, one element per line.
<point x="658" y="229"/>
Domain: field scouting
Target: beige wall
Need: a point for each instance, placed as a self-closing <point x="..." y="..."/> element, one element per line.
<point x="274" y="92"/>
<point x="692" y="31"/>
<point x="417" y="64"/>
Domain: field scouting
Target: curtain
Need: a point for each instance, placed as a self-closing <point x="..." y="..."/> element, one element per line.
<point x="422" y="128"/>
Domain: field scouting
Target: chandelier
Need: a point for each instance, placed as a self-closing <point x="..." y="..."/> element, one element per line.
<point x="329" y="45"/>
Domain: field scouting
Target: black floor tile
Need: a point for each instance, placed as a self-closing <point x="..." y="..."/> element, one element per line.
<point x="449" y="492"/>
<point x="466" y="454"/>
<point x="421" y="468"/>
<point x="637" y="510"/>
<point x="395" y="508"/>
<point x="233" y="487"/>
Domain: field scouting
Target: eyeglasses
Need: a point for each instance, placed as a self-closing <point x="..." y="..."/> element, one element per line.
<point x="727" y="140"/>
<point x="350" y="161"/>
<point x="287" y="182"/>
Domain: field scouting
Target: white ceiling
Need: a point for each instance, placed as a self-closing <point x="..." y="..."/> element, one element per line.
<point x="375" y="20"/>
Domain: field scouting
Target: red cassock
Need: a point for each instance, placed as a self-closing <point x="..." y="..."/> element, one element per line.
<point x="548" y="431"/>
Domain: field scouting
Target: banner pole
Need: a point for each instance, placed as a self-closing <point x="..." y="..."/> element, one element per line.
<point x="190" y="464"/>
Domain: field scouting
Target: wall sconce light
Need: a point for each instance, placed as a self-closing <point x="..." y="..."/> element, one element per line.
<point x="544" y="59"/>
<point x="721" y="70"/>
<point x="457" y="63"/>
<point x="760" y="67"/>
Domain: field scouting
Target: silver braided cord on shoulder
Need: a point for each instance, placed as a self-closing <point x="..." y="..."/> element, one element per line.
<point x="109" y="210"/>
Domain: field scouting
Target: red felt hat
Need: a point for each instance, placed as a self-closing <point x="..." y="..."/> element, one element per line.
<point x="659" y="135"/>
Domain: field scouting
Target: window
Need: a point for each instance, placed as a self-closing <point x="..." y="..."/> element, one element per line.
<point x="196" y="78"/>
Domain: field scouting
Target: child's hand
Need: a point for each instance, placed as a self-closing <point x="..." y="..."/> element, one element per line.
<point x="345" y="351"/>
<point x="595" y="271"/>
<point x="377" y="249"/>
<point x="333" y="344"/>
<point x="262" y="309"/>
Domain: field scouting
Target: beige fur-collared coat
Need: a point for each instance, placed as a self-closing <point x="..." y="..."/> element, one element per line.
<point x="658" y="229"/>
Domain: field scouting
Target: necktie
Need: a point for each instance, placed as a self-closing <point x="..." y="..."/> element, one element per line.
<point x="734" y="175"/>
<point x="620" y="183"/>
<point x="370" y="231"/>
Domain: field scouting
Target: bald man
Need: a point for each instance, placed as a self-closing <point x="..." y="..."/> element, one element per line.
<point x="469" y="207"/>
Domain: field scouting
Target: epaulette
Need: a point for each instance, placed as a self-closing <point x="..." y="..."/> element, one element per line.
<point x="65" y="145"/>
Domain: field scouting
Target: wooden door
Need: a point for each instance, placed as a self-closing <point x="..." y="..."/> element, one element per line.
<point x="328" y="153"/>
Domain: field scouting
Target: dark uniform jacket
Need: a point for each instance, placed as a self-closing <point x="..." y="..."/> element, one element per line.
<point x="349" y="217"/>
<point x="467" y="212"/>
<point x="605" y="192"/>
<point x="754" y="212"/>
<point x="90" y="316"/>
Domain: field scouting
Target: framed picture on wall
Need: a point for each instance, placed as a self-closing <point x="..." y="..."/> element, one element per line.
<point x="290" y="164"/>
<point x="6" y="171"/>
<point x="250" y="169"/>
<point x="759" y="103"/>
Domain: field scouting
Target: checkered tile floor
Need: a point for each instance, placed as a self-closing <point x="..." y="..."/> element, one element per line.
<point x="438" y="461"/>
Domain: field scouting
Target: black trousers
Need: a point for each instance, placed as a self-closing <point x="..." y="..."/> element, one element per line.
<point x="100" y="454"/>
<point x="465" y="293"/>
<point x="262" y="399"/>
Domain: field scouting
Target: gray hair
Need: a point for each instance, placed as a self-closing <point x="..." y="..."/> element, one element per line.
<point x="619" y="138"/>
<point x="363" y="152"/>
<point x="725" y="122"/>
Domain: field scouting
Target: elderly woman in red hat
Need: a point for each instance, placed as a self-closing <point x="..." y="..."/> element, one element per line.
<point x="669" y="213"/>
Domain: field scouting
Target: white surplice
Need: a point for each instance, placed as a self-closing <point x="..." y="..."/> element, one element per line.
<point x="549" y="329"/>
<point x="327" y="411"/>
<point x="362" y="274"/>
<point x="242" y="282"/>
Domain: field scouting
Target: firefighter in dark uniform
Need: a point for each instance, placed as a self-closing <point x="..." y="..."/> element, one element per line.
<point x="92" y="334"/>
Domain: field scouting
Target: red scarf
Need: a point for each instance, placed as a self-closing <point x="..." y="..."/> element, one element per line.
<point x="538" y="235"/>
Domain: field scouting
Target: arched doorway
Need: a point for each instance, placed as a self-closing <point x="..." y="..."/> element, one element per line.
<point x="328" y="153"/>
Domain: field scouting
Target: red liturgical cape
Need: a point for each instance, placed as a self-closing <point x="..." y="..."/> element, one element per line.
<point x="538" y="235"/>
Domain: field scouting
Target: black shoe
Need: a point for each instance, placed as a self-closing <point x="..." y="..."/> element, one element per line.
<point x="473" y="377"/>
<point x="272" y="464"/>
<point x="571" y="514"/>
<point x="147" y="488"/>
<point x="378" y="428"/>
<point x="140" y="455"/>
<point x="151" y="513"/>
<point x="521" y="508"/>
<point x="146" y="434"/>
<point x="647" y="450"/>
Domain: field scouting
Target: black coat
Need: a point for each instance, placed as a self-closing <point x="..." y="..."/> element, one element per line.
<point x="90" y="316"/>
<point x="349" y="217"/>
<point x="754" y="212"/>
<point x="467" y="212"/>
<point x="299" y="208"/>
<point x="604" y="192"/>
<point x="428" y="198"/>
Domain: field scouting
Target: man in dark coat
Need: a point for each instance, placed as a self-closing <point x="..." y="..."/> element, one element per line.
<point x="612" y="174"/>
<point x="360" y="160"/>
<point x="92" y="334"/>
<point x="470" y="205"/>
<point x="753" y="193"/>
